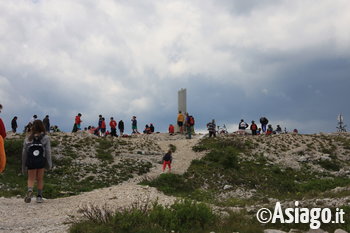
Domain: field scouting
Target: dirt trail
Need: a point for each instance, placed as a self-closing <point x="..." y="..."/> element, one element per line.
<point x="53" y="215"/>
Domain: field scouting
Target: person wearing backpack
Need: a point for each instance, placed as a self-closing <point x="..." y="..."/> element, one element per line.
<point x="36" y="157"/>
<point x="189" y="125"/>
<point x="167" y="159"/>
<point x="253" y="128"/>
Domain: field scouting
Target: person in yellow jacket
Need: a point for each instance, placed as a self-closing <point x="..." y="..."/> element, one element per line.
<point x="180" y="121"/>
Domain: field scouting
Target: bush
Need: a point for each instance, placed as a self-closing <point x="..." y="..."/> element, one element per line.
<point x="170" y="183"/>
<point x="182" y="216"/>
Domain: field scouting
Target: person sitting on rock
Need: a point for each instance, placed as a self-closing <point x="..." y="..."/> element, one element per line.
<point x="171" y="129"/>
<point x="151" y="126"/>
<point x="147" y="130"/>
<point x="269" y="130"/>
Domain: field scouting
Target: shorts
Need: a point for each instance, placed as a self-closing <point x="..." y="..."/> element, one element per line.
<point x="180" y="123"/>
<point x="134" y="127"/>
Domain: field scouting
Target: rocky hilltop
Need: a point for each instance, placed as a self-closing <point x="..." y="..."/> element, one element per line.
<point x="231" y="173"/>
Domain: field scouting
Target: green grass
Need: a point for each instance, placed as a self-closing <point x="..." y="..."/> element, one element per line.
<point x="68" y="177"/>
<point x="224" y="164"/>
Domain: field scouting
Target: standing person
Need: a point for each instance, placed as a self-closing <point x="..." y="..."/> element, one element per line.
<point x="264" y="121"/>
<point x="253" y="128"/>
<point x="121" y="127"/>
<point x="46" y="122"/>
<point x="180" y="121"/>
<point x="211" y="126"/>
<point x="36" y="156"/>
<point x="77" y="123"/>
<point x="99" y="124"/>
<point x="103" y="127"/>
<point x="171" y="129"/>
<point x="113" y="125"/>
<point x="2" y="144"/>
<point x="242" y="126"/>
<point x="14" y="125"/>
<point x="189" y="125"/>
<point x="134" y="125"/>
<point x="167" y="159"/>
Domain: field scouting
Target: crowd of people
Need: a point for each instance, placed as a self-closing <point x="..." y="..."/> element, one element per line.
<point x="36" y="155"/>
<point x="265" y="128"/>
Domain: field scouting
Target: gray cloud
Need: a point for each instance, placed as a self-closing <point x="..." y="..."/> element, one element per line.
<point x="288" y="60"/>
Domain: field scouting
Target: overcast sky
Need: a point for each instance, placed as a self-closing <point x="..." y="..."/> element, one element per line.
<point x="286" y="60"/>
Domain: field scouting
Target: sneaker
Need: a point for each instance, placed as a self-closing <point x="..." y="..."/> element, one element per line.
<point x="39" y="199"/>
<point x="28" y="197"/>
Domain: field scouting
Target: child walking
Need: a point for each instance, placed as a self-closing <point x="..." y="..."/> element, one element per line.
<point x="36" y="156"/>
<point x="167" y="159"/>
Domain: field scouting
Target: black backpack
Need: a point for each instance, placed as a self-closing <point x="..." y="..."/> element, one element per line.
<point x="167" y="157"/>
<point x="35" y="154"/>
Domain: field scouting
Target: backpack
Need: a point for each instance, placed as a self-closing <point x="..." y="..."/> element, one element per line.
<point x="191" y="120"/>
<point x="35" y="154"/>
<point x="254" y="127"/>
<point x="167" y="157"/>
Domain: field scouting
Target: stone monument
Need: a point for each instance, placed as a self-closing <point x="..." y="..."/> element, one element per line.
<point x="181" y="105"/>
<point x="181" y="100"/>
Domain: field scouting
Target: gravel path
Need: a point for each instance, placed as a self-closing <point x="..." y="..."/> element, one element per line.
<point x="54" y="215"/>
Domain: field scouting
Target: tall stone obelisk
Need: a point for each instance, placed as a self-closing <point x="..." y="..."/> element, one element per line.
<point x="182" y="106"/>
<point x="181" y="101"/>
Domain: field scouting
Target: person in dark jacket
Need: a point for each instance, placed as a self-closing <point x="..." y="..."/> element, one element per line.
<point x="264" y="121"/>
<point x="14" y="125"/>
<point x="167" y="159"/>
<point x="121" y="127"/>
<point x="211" y="126"/>
<point x="151" y="126"/>
<point x="46" y="122"/>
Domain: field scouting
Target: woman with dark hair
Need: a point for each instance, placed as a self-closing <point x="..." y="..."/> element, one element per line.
<point x="36" y="156"/>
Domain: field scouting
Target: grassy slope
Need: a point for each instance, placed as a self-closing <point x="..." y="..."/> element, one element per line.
<point x="228" y="161"/>
<point x="71" y="173"/>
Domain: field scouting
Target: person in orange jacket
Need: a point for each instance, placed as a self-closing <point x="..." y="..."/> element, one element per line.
<point x="113" y="125"/>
